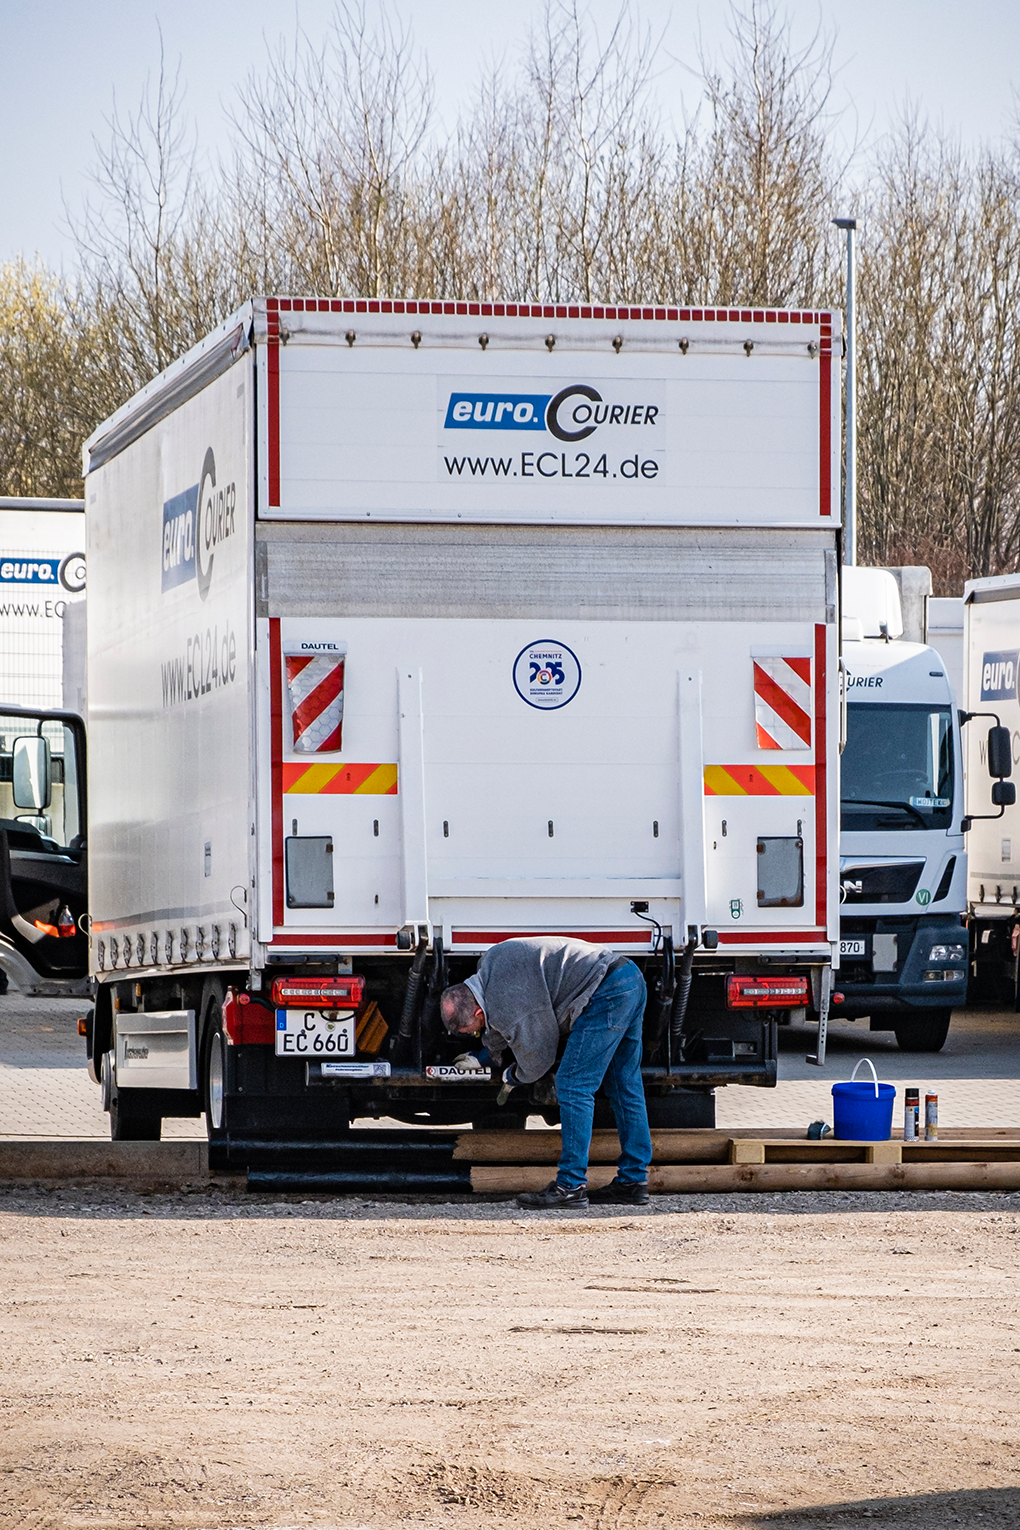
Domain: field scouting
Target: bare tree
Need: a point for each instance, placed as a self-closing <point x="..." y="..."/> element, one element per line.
<point x="54" y="377"/>
<point x="760" y="188"/>
<point x="559" y="183"/>
<point x="333" y="133"/>
<point x="138" y="234"/>
<point x="940" y="358"/>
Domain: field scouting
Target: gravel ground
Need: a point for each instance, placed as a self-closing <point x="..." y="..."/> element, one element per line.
<point x="784" y="1361"/>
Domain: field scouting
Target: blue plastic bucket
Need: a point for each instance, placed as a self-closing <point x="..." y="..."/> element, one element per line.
<point x="862" y="1110"/>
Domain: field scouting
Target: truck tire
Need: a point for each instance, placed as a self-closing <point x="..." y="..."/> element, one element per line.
<point x="214" y="1074"/>
<point x="133" y="1117"/>
<point x="925" y="1031"/>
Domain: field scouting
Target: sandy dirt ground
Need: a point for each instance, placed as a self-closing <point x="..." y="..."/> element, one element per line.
<point x="786" y="1361"/>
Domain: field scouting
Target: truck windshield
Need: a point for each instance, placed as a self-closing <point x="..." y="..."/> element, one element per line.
<point x="56" y="824"/>
<point x="897" y="768"/>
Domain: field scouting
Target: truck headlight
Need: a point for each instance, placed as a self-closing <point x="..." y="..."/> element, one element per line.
<point x="947" y="953"/>
<point x="942" y="975"/>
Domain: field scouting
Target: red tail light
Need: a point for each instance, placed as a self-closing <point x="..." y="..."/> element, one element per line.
<point x="754" y="992"/>
<point x="247" y="1022"/>
<point x="318" y="992"/>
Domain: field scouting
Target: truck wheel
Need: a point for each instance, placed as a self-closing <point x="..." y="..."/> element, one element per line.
<point x="214" y="1073"/>
<point x="132" y="1116"/>
<point x="924" y="1032"/>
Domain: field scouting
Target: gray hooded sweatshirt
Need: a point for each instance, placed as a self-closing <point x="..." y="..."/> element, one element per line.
<point x="532" y="991"/>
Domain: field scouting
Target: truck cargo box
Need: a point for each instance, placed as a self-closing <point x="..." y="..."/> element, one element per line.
<point x="417" y="626"/>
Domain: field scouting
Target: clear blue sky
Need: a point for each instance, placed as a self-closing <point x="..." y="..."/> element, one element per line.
<point x="63" y="60"/>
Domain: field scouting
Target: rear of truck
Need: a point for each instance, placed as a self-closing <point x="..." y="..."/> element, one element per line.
<point x="416" y="627"/>
<point x="991" y="650"/>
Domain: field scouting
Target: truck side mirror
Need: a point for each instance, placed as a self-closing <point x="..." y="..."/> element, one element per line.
<point x="1000" y="753"/>
<point x="1003" y="794"/>
<point x="31" y="773"/>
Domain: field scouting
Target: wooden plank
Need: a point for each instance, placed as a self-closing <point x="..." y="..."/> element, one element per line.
<point x="691" y="1179"/>
<point x="162" y="1162"/>
<point x="747" y="1152"/>
<point x="884" y="1152"/>
<point x="696" y="1145"/>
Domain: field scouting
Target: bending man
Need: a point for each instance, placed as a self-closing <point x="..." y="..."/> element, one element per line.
<point x="529" y="994"/>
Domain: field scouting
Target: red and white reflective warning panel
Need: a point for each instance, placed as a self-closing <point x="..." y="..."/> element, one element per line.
<point x="315" y="693"/>
<point x="782" y="701"/>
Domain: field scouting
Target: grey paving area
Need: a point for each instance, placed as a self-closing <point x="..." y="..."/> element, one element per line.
<point x="45" y="1090"/>
<point x="976" y="1075"/>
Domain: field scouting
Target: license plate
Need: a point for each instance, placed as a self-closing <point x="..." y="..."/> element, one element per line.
<point x="308" y="1033"/>
<point x="851" y="948"/>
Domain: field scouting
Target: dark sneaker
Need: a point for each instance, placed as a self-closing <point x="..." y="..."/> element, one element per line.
<point x="622" y="1192"/>
<point x="554" y="1197"/>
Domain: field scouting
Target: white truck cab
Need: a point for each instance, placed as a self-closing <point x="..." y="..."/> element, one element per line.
<point x="903" y="871"/>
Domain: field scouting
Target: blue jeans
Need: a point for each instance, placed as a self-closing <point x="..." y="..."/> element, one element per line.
<point x="605" y="1045"/>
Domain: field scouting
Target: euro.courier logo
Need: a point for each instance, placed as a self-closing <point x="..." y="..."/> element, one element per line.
<point x="195" y="523"/>
<point x="1000" y="674"/>
<point x="573" y="414"/>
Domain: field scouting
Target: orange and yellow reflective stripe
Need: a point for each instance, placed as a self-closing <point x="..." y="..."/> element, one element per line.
<point x="341" y="780"/>
<point x="759" y="780"/>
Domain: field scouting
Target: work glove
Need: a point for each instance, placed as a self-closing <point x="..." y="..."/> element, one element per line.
<point x="543" y="1092"/>
<point x="510" y="1082"/>
<point x="469" y="1062"/>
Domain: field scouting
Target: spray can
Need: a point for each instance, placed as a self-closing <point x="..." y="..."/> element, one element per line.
<point x="931" y="1117"/>
<point x="911" y="1114"/>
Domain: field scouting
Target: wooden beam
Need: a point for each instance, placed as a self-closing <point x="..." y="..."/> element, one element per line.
<point x="696" y="1145"/>
<point x="692" y="1179"/>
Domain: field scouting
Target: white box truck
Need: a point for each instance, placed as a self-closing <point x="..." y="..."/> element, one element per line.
<point x="903" y="868"/>
<point x="991" y="666"/>
<point x="415" y="626"/>
<point x="43" y="872"/>
<point x="42" y="602"/>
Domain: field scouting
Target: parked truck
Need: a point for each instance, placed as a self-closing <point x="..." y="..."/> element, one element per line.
<point x="415" y="626"/>
<point x="903" y="867"/>
<point x="43" y="869"/>
<point x="43" y="853"/>
<point x="991" y="667"/>
<point x="42" y="602"/>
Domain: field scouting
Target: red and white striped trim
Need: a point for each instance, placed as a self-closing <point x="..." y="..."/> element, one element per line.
<point x="782" y="701"/>
<point x="315" y="687"/>
<point x="548" y="311"/>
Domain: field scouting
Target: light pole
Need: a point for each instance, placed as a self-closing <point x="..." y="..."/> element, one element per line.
<point x="850" y="468"/>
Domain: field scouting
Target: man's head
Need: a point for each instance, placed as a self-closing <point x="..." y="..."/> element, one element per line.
<point x="462" y="1014"/>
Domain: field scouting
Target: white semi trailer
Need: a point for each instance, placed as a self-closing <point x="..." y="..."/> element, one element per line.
<point x="417" y="626"/>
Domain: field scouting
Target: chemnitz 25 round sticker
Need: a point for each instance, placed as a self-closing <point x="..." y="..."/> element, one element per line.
<point x="547" y="675"/>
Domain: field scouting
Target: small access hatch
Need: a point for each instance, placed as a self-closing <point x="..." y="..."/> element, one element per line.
<point x="309" y="861"/>
<point x="780" y="872"/>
